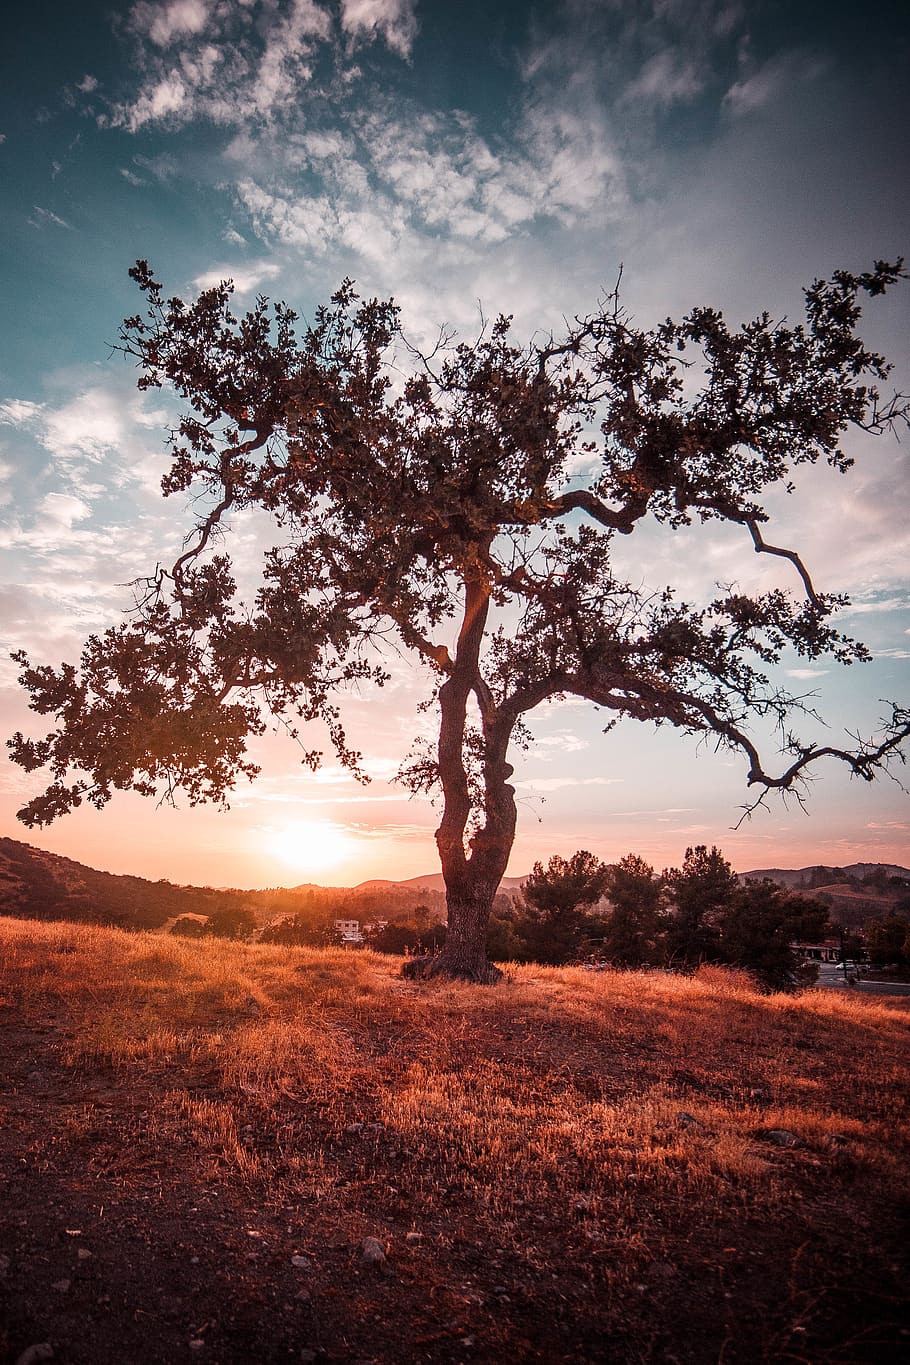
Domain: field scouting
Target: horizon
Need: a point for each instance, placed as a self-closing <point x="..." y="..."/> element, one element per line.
<point x="722" y="155"/>
<point x="513" y="879"/>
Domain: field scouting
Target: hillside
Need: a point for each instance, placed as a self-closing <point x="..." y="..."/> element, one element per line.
<point x="40" y="885"/>
<point x="229" y="1153"/>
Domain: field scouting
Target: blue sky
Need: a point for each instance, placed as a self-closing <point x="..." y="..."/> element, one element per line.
<point x="723" y="153"/>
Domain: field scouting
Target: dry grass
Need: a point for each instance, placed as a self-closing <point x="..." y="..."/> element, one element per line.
<point x="595" y="1125"/>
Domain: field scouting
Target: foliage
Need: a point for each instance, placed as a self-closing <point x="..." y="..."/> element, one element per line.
<point x="554" y="900"/>
<point x="758" y="926"/>
<point x="438" y="516"/>
<point x="302" y="930"/>
<point x="888" y="941"/>
<point x="701" y="890"/>
<point x="635" y="928"/>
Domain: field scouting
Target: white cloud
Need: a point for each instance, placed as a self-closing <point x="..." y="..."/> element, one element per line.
<point x="771" y="82"/>
<point x="42" y="218"/>
<point x="19" y="412"/>
<point x="91" y="425"/>
<point x="166" y="98"/>
<point x="665" y="79"/>
<point x="395" y="20"/>
<point x="246" y="278"/>
<point x="164" y="23"/>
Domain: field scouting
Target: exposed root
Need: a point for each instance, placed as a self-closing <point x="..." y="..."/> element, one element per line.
<point x="438" y="965"/>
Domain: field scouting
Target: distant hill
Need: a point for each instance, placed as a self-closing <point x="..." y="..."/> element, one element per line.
<point x="433" y="881"/>
<point x="802" y="876"/>
<point x="35" y="884"/>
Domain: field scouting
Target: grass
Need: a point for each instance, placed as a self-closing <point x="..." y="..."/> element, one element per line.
<point x="559" y="1161"/>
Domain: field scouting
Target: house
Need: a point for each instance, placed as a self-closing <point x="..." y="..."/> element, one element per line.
<point x="348" y="930"/>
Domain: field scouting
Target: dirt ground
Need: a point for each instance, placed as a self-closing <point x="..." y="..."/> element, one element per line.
<point x="118" y="1246"/>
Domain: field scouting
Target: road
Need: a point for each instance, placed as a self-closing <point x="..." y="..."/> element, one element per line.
<point x="832" y="976"/>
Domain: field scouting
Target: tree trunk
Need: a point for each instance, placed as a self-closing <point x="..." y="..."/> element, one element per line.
<point x="471" y="882"/>
<point x="464" y="954"/>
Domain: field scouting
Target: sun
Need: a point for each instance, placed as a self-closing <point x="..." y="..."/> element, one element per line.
<point x="308" y="845"/>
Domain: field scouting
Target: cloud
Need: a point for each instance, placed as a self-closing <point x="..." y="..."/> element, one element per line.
<point x="164" y="23"/>
<point x="42" y="218"/>
<point x="665" y="79"/>
<point x="395" y="20"/>
<point x="245" y="278"/>
<point x="770" y="82"/>
<point x="19" y="412"/>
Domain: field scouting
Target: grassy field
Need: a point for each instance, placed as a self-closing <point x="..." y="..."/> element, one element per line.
<point x="201" y="1138"/>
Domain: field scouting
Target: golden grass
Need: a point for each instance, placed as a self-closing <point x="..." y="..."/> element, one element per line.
<point x="578" y="1086"/>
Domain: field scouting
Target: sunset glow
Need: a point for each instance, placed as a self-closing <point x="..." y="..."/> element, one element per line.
<point x="466" y="161"/>
<point x="307" y="846"/>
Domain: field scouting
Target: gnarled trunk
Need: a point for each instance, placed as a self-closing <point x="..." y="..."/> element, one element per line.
<point x="471" y="881"/>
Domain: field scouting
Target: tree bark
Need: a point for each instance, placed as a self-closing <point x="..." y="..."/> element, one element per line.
<point x="471" y="881"/>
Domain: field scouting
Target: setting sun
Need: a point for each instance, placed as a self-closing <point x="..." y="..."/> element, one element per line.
<point x="308" y="845"/>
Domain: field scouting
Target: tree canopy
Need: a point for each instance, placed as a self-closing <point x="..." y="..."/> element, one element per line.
<point x="435" y="511"/>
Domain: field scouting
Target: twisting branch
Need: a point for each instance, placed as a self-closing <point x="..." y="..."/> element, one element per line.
<point x="762" y="547"/>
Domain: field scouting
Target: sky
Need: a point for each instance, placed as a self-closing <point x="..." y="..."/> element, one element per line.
<point x="458" y="156"/>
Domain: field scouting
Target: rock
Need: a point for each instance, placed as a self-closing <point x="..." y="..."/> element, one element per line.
<point x="43" y="1350"/>
<point x="302" y="1262"/>
<point x="61" y="1286"/>
<point x="413" y="1237"/>
<point x="372" y="1251"/>
<point x="354" y="1128"/>
<point x="83" y="1254"/>
<point x="782" y="1137"/>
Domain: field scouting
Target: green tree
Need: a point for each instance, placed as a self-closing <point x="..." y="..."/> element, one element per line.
<point x="701" y="890"/>
<point x="758" y="926"/>
<point x="554" y="900"/>
<point x="438" y="517"/>
<point x="635" y="927"/>
<point x="888" y="941"/>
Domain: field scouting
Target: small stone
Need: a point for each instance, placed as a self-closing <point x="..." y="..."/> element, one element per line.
<point x="469" y="1341"/>
<point x="686" y="1120"/>
<point x="61" y="1286"/>
<point x="42" y="1350"/>
<point x="302" y="1262"/>
<point x="413" y="1237"/>
<point x="372" y="1251"/>
<point x="196" y="1344"/>
<point x="782" y="1137"/>
<point x="354" y="1128"/>
<point x="83" y="1254"/>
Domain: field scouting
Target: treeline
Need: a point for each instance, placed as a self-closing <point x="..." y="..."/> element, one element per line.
<point x="628" y="915"/>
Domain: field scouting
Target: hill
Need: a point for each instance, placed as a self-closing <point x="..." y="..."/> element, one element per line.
<point x="41" y="885"/>
<point x="231" y="1153"/>
<point x="802" y="877"/>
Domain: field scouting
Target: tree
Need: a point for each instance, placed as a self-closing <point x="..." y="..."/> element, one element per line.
<point x="634" y="927"/>
<point x="554" y="902"/>
<point x="759" y="925"/>
<point x="702" y="890"/>
<point x="888" y="941"/>
<point x="441" y="517"/>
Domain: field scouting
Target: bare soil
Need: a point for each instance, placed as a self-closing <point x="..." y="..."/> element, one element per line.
<point x="129" y="1232"/>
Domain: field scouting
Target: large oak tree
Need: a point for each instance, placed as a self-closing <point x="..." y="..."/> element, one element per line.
<point x="435" y="512"/>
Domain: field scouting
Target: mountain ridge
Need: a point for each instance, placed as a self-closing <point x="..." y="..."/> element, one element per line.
<point x="36" y="884"/>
